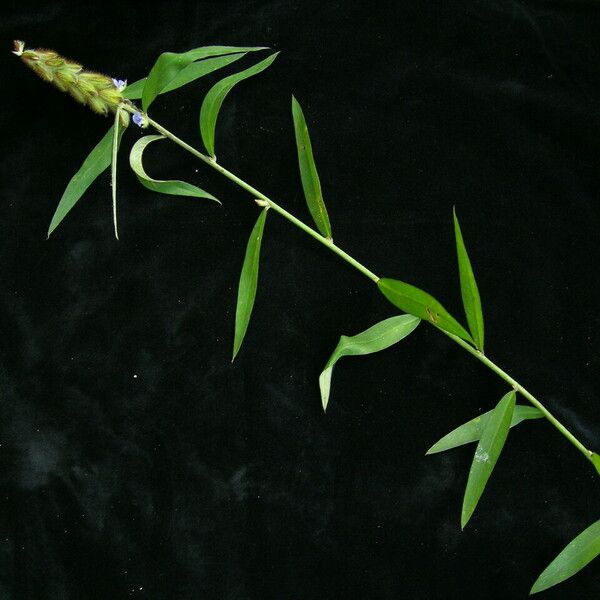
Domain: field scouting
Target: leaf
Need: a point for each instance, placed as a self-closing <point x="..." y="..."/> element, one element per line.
<point x="378" y="337"/>
<point x="173" y="187"/>
<point x="468" y="288"/>
<point x="97" y="161"/>
<point x="419" y="303"/>
<point x="595" y="458"/>
<point x="211" y="105"/>
<point x="308" y="172"/>
<point x="188" y="74"/>
<point x="113" y="171"/>
<point x="169" y="64"/>
<point x="576" y="555"/>
<point x="248" y="282"/>
<point x="134" y="90"/>
<point x="471" y="430"/>
<point x="488" y="450"/>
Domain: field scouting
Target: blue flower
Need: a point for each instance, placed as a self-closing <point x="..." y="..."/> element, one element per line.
<point x="138" y="119"/>
<point x="120" y="84"/>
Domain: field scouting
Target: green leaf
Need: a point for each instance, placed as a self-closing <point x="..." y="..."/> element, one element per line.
<point x="211" y="105"/>
<point x="248" y="282"/>
<point x="173" y="187"/>
<point x="583" y="549"/>
<point x="488" y="450"/>
<point x="468" y="288"/>
<point x="419" y="303"/>
<point x="595" y="458"/>
<point x="97" y="161"/>
<point x="472" y="430"/>
<point x="113" y="170"/>
<point x="308" y="172"/>
<point x="378" y="337"/>
<point x="188" y="74"/>
<point x="169" y="64"/>
<point x="134" y="90"/>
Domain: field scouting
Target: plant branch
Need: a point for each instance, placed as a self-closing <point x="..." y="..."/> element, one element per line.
<point x="360" y="267"/>
<point x="519" y="388"/>
<point x="256" y="194"/>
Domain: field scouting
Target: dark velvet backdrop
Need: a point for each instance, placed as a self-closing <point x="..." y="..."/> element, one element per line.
<point x="137" y="461"/>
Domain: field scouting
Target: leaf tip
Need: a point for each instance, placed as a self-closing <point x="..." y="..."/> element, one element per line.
<point x="465" y="517"/>
<point x="536" y="587"/>
<point x="595" y="458"/>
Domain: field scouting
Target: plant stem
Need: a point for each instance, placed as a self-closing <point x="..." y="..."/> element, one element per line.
<point x="360" y="267"/>
<point x="519" y="388"/>
<point x="284" y="213"/>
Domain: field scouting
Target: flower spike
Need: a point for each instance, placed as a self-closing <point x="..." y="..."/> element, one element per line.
<point x="99" y="92"/>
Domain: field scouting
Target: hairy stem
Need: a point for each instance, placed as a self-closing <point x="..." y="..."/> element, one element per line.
<point x="357" y="265"/>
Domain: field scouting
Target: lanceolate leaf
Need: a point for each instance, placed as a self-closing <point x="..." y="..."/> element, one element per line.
<point x="376" y="338"/>
<point x="188" y="74"/>
<point x="170" y="64"/>
<point x="113" y="170"/>
<point x="97" y="161"/>
<point x="248" y="282"/>
<point x="211" y="105"/>
<point x="308" y="172"/>
<point x="583" y="549"/>
<point x="468" y="288"/>
<point x="488" y="450"/>
<point x="173" y="187"/>
<point x="419" y="303"/>
<point x="472" y="430"/>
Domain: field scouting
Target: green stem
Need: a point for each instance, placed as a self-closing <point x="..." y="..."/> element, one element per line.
<point x="519" y="388"/>
<point x="259" y="195"/>
<point x="329" y="243"/>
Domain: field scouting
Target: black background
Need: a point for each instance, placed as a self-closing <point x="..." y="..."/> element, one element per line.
<point x="137" y="461"/>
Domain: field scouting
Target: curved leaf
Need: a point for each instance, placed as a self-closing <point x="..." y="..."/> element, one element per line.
<point x="169" y="64"/>
<point x="378" y="337"/>
<point x="308" y="172"/>
<point x="488" y="450"/>
<point x="576" y="555"/>
<point x="211" y="105"/>
<point x="468" y="288"/>
<point x="113" y="170"/>
<point x="411" y="299"/>
<point x="248" y="282"/>
<point x="173" y="187"/>
<point x="471" y="430"/>
<point x="97" y="161"/>
<point x="188" y="74"/>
